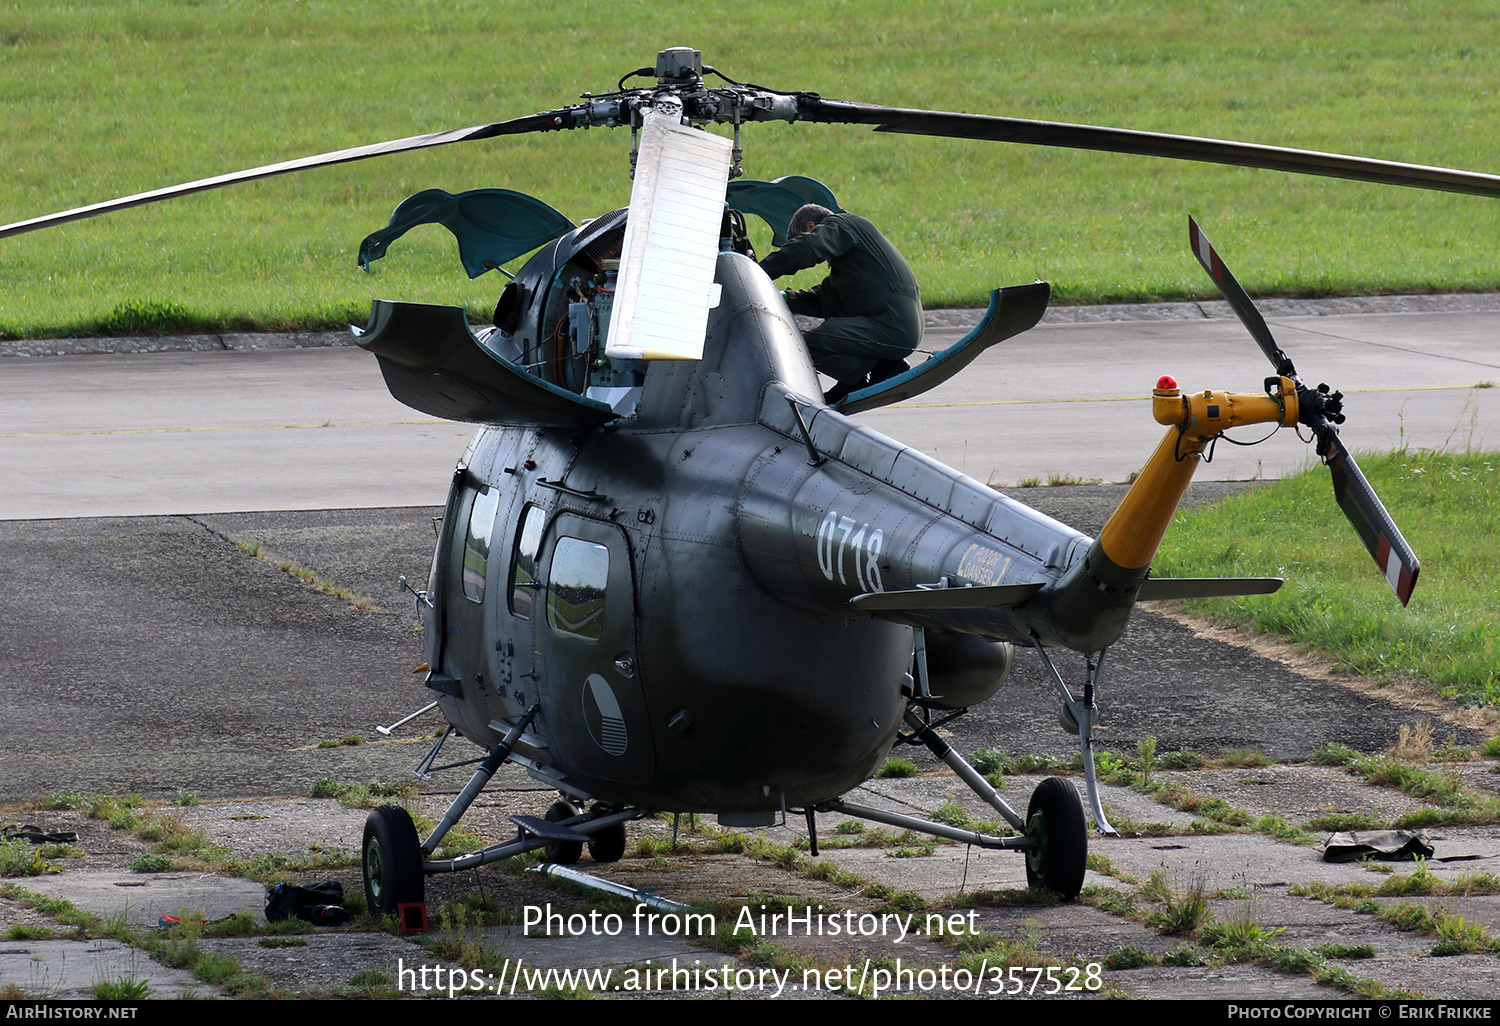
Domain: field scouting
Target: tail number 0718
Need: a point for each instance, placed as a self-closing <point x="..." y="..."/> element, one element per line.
<point x="838" y="541"/>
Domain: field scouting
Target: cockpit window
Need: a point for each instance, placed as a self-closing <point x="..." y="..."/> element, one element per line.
<point x="575" y="592"/>
<point x="477" y="542"/>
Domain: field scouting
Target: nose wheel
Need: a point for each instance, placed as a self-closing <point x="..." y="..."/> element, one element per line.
<point x="1054" y="819"/>
<point x="392" y="862"/>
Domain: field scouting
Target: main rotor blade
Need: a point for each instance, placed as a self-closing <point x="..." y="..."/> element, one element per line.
<point x="1151" y="144"/>
<point x="1376" y="528"/>
<point x="545" y="121"/>
<point x="1239" y="302"/>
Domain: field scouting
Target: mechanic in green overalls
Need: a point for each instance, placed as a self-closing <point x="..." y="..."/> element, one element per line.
<point x="870" y="304"/>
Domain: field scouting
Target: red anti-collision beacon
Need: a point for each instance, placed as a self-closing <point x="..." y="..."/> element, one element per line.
<point x="1167" y="405"/>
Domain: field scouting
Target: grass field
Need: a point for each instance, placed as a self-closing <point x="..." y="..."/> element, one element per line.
<point x="103" y="99"/>
<point x="1335" y="599"/>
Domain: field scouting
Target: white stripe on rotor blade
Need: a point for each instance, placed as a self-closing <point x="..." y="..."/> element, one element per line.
<point x="1205" y="251"/>
<point x="1393" y="569"/>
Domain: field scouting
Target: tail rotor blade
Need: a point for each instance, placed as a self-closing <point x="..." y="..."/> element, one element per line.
<point x="1376" y="529"/>
<point x="1239" y="302"/>
<point x="1319" y="410"/>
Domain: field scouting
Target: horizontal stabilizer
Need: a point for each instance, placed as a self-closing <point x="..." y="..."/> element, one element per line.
<point x="1155" y="588"/>
<point x="927" y="599"/>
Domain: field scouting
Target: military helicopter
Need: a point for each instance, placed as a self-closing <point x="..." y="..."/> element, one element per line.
<point x="670" y="578"/>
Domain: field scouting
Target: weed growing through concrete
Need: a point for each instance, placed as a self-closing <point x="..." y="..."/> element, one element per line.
<point x="1063" y="480"/>
<point x="85" y="923"/>
<point x="1345" y="951"/>
<point x="1243" y="938"/>
<point x="1413" y="743"/>
<point x="1365" y="819"/>
<point x="1146" y="752"/>
<point x="991" y="765"/>
<point x="126" y="988"/>
<point x="372" y="983"/>
<point x="898" y="768"/>
<point x="152" y="863"/>
<point x="1454" y="804"/>
<point x="1184" y="758"/>
<point x="1458" y="936"/>
<point x="460" y="938"/>
<point x="913" y="851"/>
<point x="1455" y="935"/>
<point x="1183" y="911"/>
<point x="951" y="813"/>
<point x="22" y="858"/>
<point x="360" y="796"/>
<point x="181" y="846"/>
<point x="1129" y="957"/>
<point x="1216" y="815"/>
<point x="176" y="947"/>
<point x="356" y="601"/>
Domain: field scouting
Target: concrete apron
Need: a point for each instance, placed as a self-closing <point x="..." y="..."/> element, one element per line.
<point x="858" y="938"/>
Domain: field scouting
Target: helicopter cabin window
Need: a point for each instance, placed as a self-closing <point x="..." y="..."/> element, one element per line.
<point x="523" y="582"/>
<point x="477" y="542"/>
<point x="575" y="591"/>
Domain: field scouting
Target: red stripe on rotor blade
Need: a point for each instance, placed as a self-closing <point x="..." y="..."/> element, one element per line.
<point x="1195" y="239"/>
<point x="1406" y="586"/>
<point x="1205" y="252"/>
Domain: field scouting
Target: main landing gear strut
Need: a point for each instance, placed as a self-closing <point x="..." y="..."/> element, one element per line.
<point x="396" y="862"/>
<point x="1053" y="834"/>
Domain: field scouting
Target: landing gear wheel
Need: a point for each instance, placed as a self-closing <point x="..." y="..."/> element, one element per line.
<point x="1055" y="819"/>
<point x="392" y="861"/>
<point x="608" y="845"/>
<point x="564" y="853"/>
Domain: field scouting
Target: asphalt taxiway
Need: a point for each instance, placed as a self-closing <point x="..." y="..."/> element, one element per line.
<point x="137" y="427"/>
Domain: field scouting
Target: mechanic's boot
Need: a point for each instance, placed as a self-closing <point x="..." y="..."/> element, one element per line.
<point x="836" y="394"/>
<point x="887" y="369"/>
